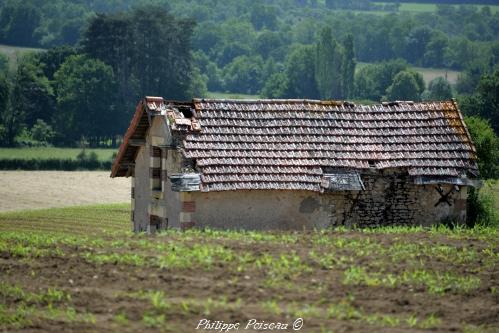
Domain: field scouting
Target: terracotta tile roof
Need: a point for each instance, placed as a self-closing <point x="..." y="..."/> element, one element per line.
<point x="295" y="144"/>
<point x="286" y="144"/>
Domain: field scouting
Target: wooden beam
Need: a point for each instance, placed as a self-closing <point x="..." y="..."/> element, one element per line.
<point x="130" y="171"/>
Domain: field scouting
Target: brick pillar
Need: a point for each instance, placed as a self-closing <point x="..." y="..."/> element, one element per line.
<point x="155" y="168"/>
<point x="164" y="172"/>
<point x="188" y="207"/>
<point x="157" y="178"/>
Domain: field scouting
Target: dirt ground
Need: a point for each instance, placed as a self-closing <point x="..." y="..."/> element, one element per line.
<point x="105" y="291"/>
<point x="20" y="190"/>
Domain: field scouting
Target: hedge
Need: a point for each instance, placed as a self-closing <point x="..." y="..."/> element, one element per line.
<point x="54" y="164"/>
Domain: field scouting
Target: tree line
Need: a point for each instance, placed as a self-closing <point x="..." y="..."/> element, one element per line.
<point x="69" y="93"/>
<point x="239" y="45"/>
<point x="276" y="49"/>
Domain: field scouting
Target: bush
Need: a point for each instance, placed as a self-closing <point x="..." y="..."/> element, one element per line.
<point x="487" y="146"/>
<point x="42" y="132"/>
<point x="481" y="210"/>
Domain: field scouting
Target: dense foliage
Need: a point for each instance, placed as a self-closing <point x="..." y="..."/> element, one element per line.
<point x="487" y="146"/>
<point x="88" y="92"/>
<point x="103" y="55"/>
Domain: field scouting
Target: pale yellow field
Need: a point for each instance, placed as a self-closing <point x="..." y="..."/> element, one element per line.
<point x="20" y="190"/>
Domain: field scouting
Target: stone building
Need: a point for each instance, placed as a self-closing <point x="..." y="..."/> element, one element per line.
<point x="294" y="164"/>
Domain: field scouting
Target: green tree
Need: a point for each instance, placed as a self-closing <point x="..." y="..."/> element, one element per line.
<point x="460" y="53"/>
<point x="161" y="57"/>
<point x="199" y="87"/>
<point x="419" y="80"/>
<point x="263" y="16"/>
<point x="215" y="77"/>
<point x="348" y="67"/>
<point x="53" y="58"/>
<point x="244" y="75"/>
<point x="365" y="84"/>
<point x="230" y="51"/>
<point x="488" y="91"/>
<point x="4" y="63"/>
<point x="417" y="41"/>
<point x="487" y="146"/>
<point x="208" y="37"/>
<point x="32" y="94"/>
<point x="4" y="93"/>
<point x="42" y="132"/>
<point x="468" y="80"/>
<point x="18" y="22"/>
<point x="148" y="49"/>
<point x="266" y="42"/>
<point x="328" y="66"/>
<point x="439" y="89"/>
<point x="300" y="66"/>
<point x="4" y="100"/>
<point x="238" y="38"/>
<point x="85" y="100"/>
<point x="485" y="101"/>
<point x="404" y="87"/>
<point x="372" y="81"/>
<point x="435" y="50"/>
<point x="110" y="38"/>
<point x="275" y="86"/>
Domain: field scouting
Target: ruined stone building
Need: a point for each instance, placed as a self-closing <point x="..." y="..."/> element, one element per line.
<point x="294" y="164"/>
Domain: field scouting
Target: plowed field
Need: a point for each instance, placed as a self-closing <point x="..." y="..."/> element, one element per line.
<point x="80" y="270"/>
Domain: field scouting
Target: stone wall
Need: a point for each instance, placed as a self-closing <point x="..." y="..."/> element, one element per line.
<point x="155" y="209"/>
<point x="142" y="191"/>
<point x="390" y="198"/>
<point x="262" y="210"/>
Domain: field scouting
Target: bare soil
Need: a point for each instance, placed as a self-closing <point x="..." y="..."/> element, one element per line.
<point x="105" y="291"/>
<point x="20" y="190"/>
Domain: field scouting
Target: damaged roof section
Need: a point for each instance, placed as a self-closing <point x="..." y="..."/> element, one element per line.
<point x="342" y="180"/>
<point x="294" y="144"/>
<point x="182" y="121"/>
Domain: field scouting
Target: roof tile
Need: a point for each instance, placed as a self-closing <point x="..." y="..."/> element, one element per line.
<point x="286" y="144"/>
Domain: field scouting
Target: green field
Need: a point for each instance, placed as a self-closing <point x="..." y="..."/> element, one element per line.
<point x="431" y="73"/>
<point x="84" y="220"/>
<point x="415" y="7"/>
<point x="81" y="269"/>
<point x="428" y="73"/>
<point x="14" y="53"/>
<point x="52" y="152"/>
